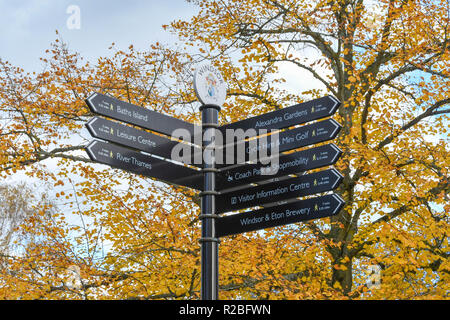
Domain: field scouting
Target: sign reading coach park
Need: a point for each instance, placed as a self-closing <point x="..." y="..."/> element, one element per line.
<point x="291" y="163"/>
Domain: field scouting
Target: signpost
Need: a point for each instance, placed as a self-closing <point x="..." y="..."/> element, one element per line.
<point x="225" y="186"/>
<point x="210" y="89"/>
<point x="313" y="208"/>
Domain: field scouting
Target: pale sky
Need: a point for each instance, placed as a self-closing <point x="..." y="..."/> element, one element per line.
<point x="27" y="27"/>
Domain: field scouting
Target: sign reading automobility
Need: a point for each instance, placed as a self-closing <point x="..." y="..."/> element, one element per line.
<point x="303" y="210"/>
<point x="113" y="108"/>
<point x="232" y="158"/>
<point x="139" y="163"/>
<point x="304" y="185"/>
<point x="134" y="138"/>
<point x="287" y="164"/>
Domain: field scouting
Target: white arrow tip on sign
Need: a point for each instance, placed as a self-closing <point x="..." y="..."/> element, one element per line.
<point x="337" y="126"/>
<point x="92" y="96"/>
<point x="336" y="103"/>
<point x="90" y="123"/>
<point x="338" y="151"/>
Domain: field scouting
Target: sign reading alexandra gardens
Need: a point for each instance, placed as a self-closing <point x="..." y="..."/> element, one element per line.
<point x="290" y="116"/>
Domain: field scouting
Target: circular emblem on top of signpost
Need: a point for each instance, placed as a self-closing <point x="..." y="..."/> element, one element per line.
<point x="209" y="85"/>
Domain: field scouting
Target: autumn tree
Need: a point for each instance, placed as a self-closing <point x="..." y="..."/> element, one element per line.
<point x="131" y="237"/>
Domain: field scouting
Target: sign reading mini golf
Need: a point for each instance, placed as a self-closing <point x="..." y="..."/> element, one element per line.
<point x="142" y="141"/>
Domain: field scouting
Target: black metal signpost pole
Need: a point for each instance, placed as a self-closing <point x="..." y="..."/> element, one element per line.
<point x="209" y="241"/>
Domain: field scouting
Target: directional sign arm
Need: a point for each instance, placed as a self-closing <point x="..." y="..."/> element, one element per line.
<point x="137" y="139"/>
<point x="116" y="109"/>
<point x="139" y="163"/>
<point x="290" y="116"/>
<point x="303" y="210"/>
<point x="285" y="141"/>
<point x="292" y="163"/>
<point x="304" y="185"/>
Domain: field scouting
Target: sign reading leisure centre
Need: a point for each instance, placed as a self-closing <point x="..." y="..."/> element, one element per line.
<point x="134" y="138"/>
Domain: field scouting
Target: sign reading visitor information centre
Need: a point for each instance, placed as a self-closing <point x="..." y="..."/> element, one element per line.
<point x="249" y="170"/>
